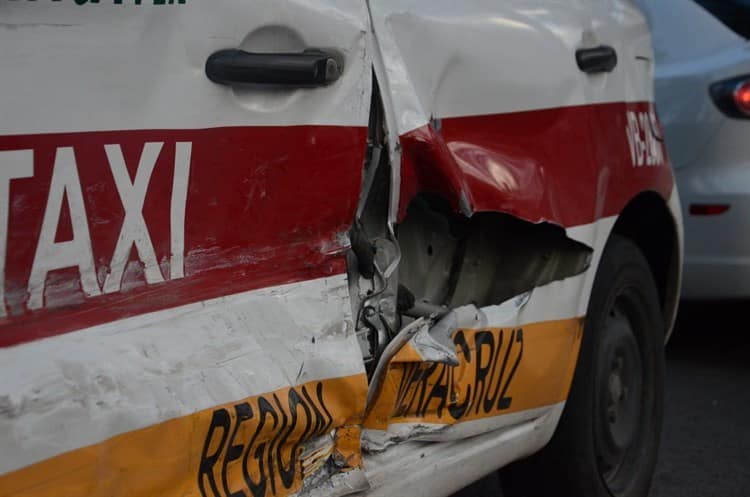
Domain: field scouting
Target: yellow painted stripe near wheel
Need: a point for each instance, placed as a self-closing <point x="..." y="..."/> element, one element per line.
<point x="500" y="371"/>
<point x="249" y="445"/>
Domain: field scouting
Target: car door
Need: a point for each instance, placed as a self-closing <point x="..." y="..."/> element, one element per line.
<point x="176" y="316"/>
<point x="493" y="114"/>
<point x="635" y="159"/>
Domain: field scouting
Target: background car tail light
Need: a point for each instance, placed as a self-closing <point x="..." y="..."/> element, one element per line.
<point x="742" y="97"/>
<point x="732" y="96"/>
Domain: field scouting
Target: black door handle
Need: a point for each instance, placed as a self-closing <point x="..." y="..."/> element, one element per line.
<point x="306" y="69"/>
<point x="596" y="60"/>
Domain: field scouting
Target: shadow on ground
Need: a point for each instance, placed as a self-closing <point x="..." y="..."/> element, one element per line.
<point x="706" y="439"/>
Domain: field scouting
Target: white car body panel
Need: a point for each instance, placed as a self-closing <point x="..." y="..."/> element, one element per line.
<point x="403" y="470"/>
<point x="435" y="54"/>
<point x="169" y="48"/>
<point x="116" y="378"/>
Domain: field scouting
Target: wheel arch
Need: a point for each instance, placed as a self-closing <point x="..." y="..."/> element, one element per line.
<point x="651" y="223"/>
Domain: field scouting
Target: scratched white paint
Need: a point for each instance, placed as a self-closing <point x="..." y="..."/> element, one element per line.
<point x="338" y="485"/>
<point x="77" y="252"/>
<point x="380" y="440"/>
<point x="140" y="371"/>
<point x="14" y="164"/>
<point x="422" y="469"/>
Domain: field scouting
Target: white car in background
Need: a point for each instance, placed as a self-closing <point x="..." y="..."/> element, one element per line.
<point x="703" y="98"/>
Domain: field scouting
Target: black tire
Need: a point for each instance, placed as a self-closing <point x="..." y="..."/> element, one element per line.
<point x="607" y="440"/>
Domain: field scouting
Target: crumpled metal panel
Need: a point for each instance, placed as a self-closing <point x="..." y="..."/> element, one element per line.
<point x="497" y="370"/>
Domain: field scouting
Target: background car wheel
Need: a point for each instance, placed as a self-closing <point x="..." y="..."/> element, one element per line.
<point x="608" y="437"/>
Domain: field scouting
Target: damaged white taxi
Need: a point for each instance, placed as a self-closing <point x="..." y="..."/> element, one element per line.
<point x="332" y="247"/>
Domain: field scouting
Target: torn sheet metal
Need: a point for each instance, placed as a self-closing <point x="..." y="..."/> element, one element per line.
<point x="466" y="374"/>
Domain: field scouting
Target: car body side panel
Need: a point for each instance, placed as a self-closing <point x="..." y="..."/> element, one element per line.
<point x="469" y="84"/>
<point x="453" y="60"/>
<point x="176" y="318"/>
<point x="186" y="401"/>
<point x="213" y="211"/>
<point x="205" y="153"/>
<point x="542" y="154"/>
<point x="482" y="124"/>
<point x="530" y="164"/>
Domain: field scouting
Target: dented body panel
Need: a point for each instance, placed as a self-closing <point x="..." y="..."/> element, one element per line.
<point x="431" y="396"/>
<point x="482" y="121"/>
<point x="174" y="311"/>
<point x="186" y="301"/>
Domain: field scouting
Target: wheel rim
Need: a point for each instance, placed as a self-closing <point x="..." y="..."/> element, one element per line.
<point x="618" y="399"/>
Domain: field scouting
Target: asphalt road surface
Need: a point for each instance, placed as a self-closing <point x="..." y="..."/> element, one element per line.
<point x="705" y="448"/>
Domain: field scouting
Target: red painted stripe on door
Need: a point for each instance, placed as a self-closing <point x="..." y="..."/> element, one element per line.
<point x="265" y="206"/>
